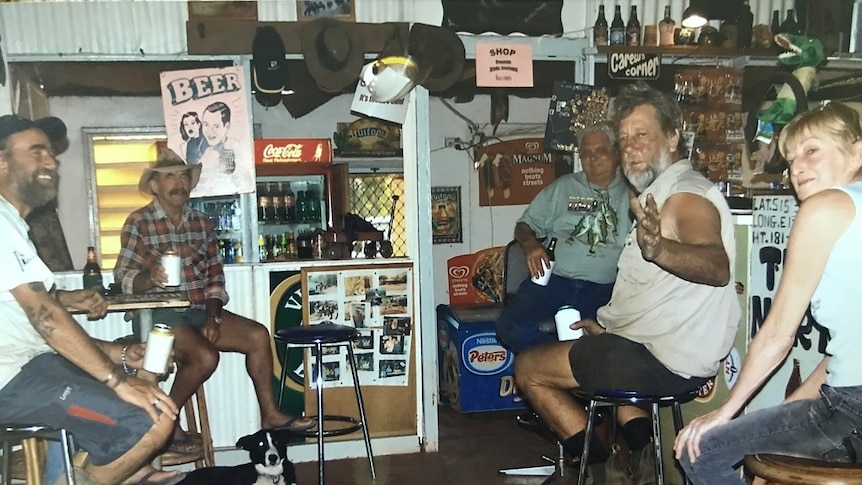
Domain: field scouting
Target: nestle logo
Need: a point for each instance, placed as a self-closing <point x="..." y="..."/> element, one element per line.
<point x="484" y="356"/>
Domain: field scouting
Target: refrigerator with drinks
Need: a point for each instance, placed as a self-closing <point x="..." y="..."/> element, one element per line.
<point x="301" y="197"/>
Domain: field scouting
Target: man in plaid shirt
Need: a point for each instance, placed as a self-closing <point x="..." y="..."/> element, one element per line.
<point x="205" y="328"/>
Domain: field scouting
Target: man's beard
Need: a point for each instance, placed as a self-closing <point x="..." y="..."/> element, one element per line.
<point x="34" y="193"/>
<point x="640" y="181"/>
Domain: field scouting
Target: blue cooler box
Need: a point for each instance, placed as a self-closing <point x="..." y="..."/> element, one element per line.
<point x="476" y="372"/>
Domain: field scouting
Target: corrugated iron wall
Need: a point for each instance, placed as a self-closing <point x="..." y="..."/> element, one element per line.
<point x="135" y="28"/>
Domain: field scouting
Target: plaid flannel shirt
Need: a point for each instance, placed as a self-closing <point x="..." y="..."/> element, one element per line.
<point x="148" y="232"/>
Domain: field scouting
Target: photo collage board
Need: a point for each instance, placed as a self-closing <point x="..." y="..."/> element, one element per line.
<point x="376" y="300"/>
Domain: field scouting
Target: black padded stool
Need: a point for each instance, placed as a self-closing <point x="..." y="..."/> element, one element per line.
<point x="317" y="337"/>
<point x="614" y="398"/>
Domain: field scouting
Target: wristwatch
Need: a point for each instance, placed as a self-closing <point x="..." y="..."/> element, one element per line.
<point x="216" y="318"/>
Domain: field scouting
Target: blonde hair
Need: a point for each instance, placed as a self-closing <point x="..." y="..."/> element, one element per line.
<point x="835" y="120"/>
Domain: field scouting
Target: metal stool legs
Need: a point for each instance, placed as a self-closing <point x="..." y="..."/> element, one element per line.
<point x="12" y="433"/>
<point x="552" y="472"/>
<point x="361" y="405"/>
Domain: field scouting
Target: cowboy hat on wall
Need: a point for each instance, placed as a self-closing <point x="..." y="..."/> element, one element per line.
<point x="333" y="53"/>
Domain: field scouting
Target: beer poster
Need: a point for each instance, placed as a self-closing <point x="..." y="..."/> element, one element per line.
<point x="207" y="122"/>
<point x="446" y="215"/>
<point x="513" y="171"/>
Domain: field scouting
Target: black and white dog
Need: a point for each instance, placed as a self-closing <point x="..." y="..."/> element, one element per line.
<point x="269" y="464"/>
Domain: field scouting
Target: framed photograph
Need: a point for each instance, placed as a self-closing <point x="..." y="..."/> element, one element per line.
<point x="337" y="9"/>
<point x="446" y="215"/>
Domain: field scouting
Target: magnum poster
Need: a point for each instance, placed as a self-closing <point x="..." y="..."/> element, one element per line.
<point x="207" y="122"/>
<point x="513" y="172"/>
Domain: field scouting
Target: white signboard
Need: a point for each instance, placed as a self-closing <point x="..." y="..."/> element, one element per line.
<point x="773" y="217"/>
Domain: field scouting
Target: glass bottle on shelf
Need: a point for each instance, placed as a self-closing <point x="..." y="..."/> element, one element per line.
<point x="775" y="25"/>
<point x="289" y="204"/>
<point x="291" y="246"/>
<point x="313" y="206"/>
<point x="277" y="202"/>
<point x="600" y="28"/>
<point x="745" y="26"/>
<point x="633" y="28"/>
<point x="665" y="28"/>
<point x="618" y="28"/>
<point x="789" y="26"/>
<point x="262" y="202"/>
<point x="301" y="206"/>
<point x="261" y="248"/>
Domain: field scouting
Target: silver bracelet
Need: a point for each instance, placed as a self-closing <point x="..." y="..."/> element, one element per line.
<point x="128" y="370"/>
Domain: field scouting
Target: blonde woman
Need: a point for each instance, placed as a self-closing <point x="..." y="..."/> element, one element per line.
<point x="822" y="419"/>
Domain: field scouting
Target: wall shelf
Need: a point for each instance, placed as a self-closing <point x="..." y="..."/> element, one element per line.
<point x="693" y="54"/>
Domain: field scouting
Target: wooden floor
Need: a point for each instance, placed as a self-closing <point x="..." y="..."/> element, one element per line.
<point x="473" y="447"/>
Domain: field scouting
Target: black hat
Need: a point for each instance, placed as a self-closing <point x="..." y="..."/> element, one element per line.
<point x="440" y="55"/>
<point x="269" y="67"/>
<point x="306" y="96"/>
<point x="52" y="126"/>
<point x="333" y="52"/>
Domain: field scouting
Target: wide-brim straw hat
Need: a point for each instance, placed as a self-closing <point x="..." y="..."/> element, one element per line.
<point x="168" y="162"/>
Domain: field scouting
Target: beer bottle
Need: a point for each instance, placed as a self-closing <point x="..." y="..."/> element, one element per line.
<point x="92" y="272"/>
<point x="277" y="203"/>
<point x="795" y="379"/>
<point x="542" y="280"/>
<point x="301" y="206"/>
<point x="666" y="28"/>
<point x="775" y="25"/>
<point x="789" y="26"/>
<point x="633" y="28"/>
<point x="618" y="29"/>
<point x="745" y="23"/>
<point x="600" y="28"/>
<point x="289" y="204"/>
<point x="313" y="210"/>
<point x="261" y="248"/>
<point x="552" y="246"/>
<point x="262" y="202"/>
<point x="291" y="246"/>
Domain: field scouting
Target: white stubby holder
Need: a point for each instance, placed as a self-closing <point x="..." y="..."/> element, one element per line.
<point x="546" y="276"/>
<point x="172" y="264"/>
<point x="160" y="344"/>
<point x="564" y="317"/>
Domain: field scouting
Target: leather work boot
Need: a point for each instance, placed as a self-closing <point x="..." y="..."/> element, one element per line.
<point x="643" y="466"/>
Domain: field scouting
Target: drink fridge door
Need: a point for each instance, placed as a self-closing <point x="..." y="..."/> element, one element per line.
<point x="227" y="218"/>
<point x="289" y="207"/>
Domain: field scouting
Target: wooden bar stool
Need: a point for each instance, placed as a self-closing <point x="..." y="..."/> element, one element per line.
<point x="30" y="435"/>
<point x="198" y="423"/>
<point x="317" y="337"/>
<point x="786" y="470"/>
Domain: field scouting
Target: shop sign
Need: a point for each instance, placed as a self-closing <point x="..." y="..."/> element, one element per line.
<point x="504" y="65"/>
<point x="634" y="66"/>
<point x="368" y="138"/>
<point x="293" y="150"/>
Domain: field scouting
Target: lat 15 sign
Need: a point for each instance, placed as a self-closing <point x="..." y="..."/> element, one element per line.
<point x="633" y="66"/>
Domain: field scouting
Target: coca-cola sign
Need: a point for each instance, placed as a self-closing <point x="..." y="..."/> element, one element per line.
<point x="293" y="150"/>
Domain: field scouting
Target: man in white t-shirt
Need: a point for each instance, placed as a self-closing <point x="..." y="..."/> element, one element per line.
<point x="51" y="371"/>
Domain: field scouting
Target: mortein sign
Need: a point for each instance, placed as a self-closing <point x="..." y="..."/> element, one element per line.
<point x="293" y="150"/>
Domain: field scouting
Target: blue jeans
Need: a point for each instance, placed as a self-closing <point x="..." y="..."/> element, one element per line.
<point x="827" y="428"/>
<point x="518" y="324"/>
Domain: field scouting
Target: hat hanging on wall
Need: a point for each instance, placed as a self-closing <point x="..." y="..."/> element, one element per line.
<point x="333" y="53"/>
<point x="440" y="55"/>
<point x="268" y="66"/>
<point x="306" y="96"/>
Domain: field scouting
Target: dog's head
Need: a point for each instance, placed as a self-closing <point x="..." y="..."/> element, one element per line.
<point x="268" y="451"/>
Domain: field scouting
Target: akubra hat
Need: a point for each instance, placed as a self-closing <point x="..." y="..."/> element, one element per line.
<point x="440" y="55"/>
<point x="168" y="162"/>
<point x="333" y="53"/>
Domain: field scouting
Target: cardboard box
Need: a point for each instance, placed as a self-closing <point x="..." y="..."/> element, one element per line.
<point x="476" y="372"/>
<point x="476" y="278"/>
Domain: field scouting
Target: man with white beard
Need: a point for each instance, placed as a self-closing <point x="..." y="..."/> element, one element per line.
<point x="673" y="313"/>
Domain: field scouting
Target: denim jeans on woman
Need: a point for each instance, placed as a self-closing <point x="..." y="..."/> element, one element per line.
<point x="827" y="428"/>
